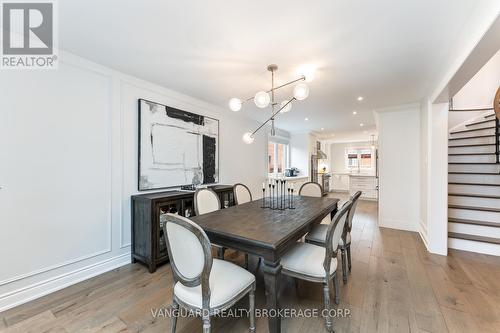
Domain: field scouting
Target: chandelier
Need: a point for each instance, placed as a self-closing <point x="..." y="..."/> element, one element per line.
<point x="263" y="99"/>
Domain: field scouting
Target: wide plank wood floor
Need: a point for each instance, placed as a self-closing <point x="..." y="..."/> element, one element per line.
<point x="395" y="286"/>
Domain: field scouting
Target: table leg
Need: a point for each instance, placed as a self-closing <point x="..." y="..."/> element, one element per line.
<point x="272" y="273"/>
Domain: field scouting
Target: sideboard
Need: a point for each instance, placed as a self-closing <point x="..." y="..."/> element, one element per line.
<point x="148" y="243"/>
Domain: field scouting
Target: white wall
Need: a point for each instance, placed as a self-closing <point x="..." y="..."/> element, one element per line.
<point x="299" y="153"/>
<point x="437" y="182"/>
<point x="68" y="146"/>
<point x="338" y="158"/>
<point x="480" y="90"/>
<point x="399" y="167"/>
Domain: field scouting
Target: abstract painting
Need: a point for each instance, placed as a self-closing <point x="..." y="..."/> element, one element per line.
<point x="176" y="147"/>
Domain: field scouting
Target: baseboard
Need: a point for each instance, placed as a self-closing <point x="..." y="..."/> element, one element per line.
<point x="28" y="293"/>
<point x="397" y="224"/>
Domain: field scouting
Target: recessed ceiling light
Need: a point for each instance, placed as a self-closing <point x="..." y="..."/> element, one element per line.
<point x="322" y="129"/>
<point x="361" y="124"/>
<point x="360" y="98"/>
<point x="306" y="119"/>
<point x="354" y="112"/>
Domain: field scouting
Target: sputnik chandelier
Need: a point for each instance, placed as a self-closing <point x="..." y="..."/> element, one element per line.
<point x="263" y="99"/>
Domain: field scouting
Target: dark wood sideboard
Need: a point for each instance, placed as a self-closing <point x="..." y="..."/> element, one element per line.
<point x="148" y="243"/>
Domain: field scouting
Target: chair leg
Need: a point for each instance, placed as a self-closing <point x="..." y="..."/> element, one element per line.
<point x="337" y="288"/>
<point x="220" y="252"/>
<point x="326" y="297"/>
<point x="344" y="264"/>
<point x="349" y="256"/>
<point x="175" y="306"/>
<point x="206" y="324"/>
<point x="246" y="261"/>
<point x="251" y="297"/>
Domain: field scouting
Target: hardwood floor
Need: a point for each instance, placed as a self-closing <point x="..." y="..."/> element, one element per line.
<point x="395" y="286"/>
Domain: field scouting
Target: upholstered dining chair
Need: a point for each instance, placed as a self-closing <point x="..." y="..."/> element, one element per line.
<point x="312" y="189"/>
<point x="314" y="263"/>
<point x="317" y="236"/>
<point x="207" y="201"/>
<point x="202" y="284"/>
<point x="242" y="194"/>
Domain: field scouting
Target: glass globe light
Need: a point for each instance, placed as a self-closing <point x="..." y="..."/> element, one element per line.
<point x="287" y="108"/>
<point x="301" y="91"/>
<point x="262" y="99"/>
<point x="248" y="138"/>
<point x="235" y="104"/>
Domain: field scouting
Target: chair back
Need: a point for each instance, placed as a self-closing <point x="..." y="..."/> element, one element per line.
<point x="205" y="201"/>
<point x="242" y="194"/>
<point x="311" y="189"/>
<point x="188" y="249"/>
<point x="334" y="233"/>
<point x="352" y="210"/>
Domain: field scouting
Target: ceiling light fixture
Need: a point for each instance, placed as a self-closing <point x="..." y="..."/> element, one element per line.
<point x="360" y="98"/>
<point x="353" y="112"/>
<point x="265" y="98"/>
<point x="361" y="124"/>
<point x="306" y="119"/>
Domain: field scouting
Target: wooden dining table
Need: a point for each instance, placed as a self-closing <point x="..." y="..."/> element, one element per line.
<point x="266" y="233"/>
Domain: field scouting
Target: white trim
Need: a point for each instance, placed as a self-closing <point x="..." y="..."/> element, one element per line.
<point x="396" y="224"/>
<point x="42" y="288"/>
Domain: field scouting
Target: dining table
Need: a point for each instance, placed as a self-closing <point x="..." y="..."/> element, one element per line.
<point x="268" y="234"/>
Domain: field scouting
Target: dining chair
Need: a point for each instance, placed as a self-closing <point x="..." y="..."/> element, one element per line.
<point x="203" y="285"/>
<point x="243" y="195"/>
<point x="317" y="236"/>
<point x="207" y="201"/>
<point x="314" y="263"/>
<point x="312" y="189"/>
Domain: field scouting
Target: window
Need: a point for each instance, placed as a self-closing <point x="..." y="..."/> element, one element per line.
<point x="277" y="158"/>
<point x="359" y="158"/>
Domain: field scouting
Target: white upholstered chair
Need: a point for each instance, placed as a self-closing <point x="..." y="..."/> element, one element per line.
<point x="242" y="194"/>
<point x="317" y="236"/>
<point x="203" y="284"/>
<point x="207" y="201"/>
<point x="312" y="189"/>
<point x="314" y="263"/>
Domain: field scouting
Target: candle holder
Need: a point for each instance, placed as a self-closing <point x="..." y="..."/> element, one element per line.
<point x="280" y="197"/>
<point x="263" y="197"/>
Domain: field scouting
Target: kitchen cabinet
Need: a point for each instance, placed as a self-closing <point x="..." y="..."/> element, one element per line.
<point x="339" y="182"/>
<point x="366" y="184"/>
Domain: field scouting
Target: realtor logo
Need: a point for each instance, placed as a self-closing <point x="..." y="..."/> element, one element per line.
<point x="28" y="35"/>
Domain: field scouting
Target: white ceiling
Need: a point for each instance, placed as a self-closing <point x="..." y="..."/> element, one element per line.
<point x="389" y="51"/>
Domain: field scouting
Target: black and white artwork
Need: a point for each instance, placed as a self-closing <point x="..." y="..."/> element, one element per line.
<point x="176" y="147"/>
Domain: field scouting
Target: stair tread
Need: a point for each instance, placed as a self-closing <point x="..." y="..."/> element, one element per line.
<point x="474" y="238"/>
<point x="473" y="130"/>
<point x="480" y="122"/>
<point x="473" y="137"/>
<point x="470" y="195"/>
<point x="473" y="173"/>
<point x="476" y="109"/>
<point x="473" y="145"/>
<point x="474" y="222"/>
<point x="483" y="209"/>
<point x="484" y="163"/>
<point x="464" y="154"/>
<point x="476" y="184"/>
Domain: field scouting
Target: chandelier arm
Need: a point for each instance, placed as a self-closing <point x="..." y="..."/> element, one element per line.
<point x="281" y="86"/>
<point x="273" y="115"/>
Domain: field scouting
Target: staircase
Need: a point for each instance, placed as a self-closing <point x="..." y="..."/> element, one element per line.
<point x="474" y="186"/>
